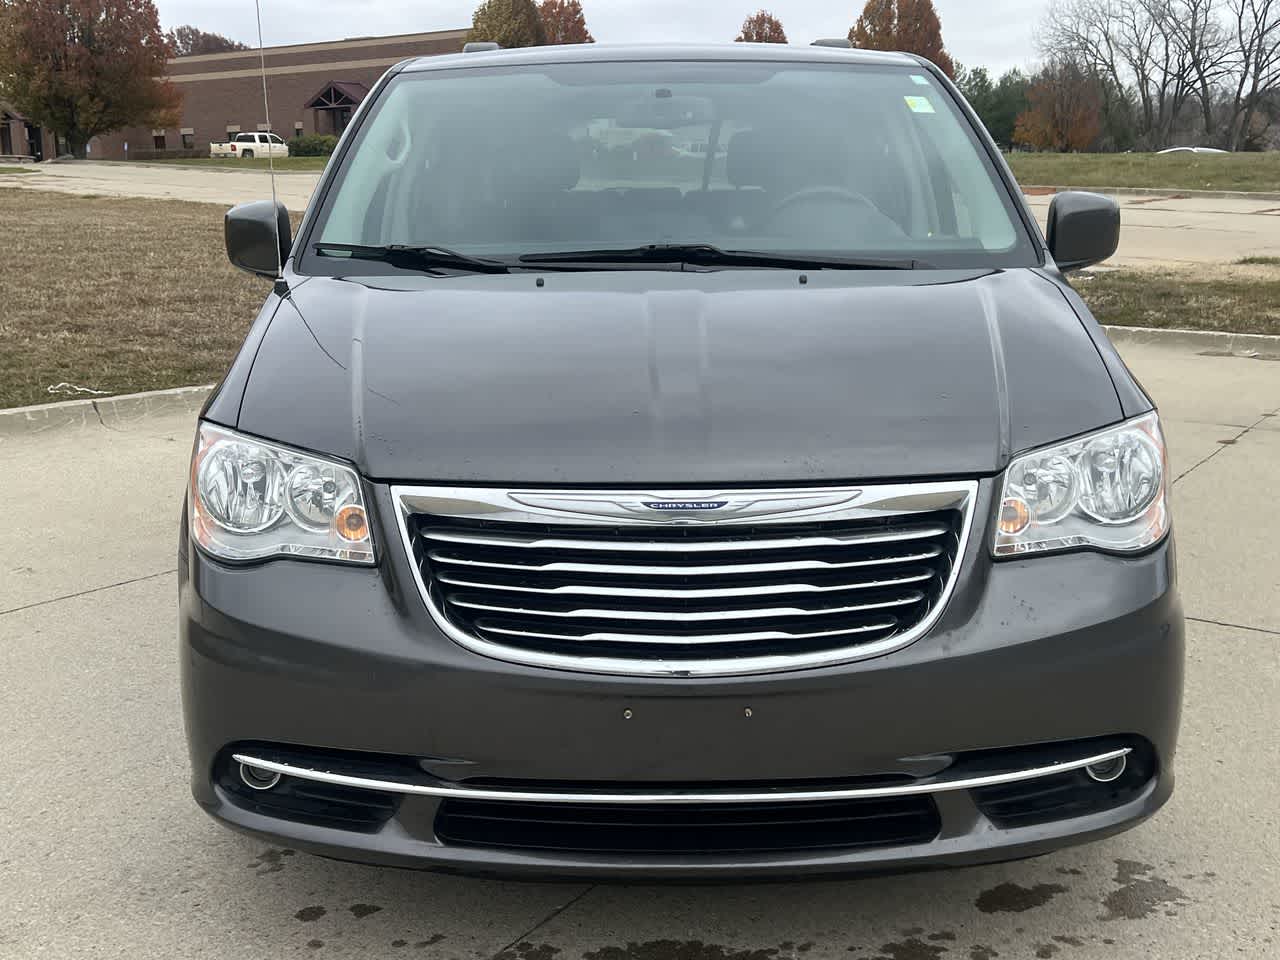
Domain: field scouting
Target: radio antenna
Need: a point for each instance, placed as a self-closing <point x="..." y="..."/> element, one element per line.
<point x="271" y="163"/>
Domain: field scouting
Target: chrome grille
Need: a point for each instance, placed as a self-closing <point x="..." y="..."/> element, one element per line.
<point x="607" y="583"/>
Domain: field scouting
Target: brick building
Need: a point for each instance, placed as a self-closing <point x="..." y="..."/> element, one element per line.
<point x="312" y="88"/>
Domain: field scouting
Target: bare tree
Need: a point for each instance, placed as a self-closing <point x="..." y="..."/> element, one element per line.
<point x="1159" y="63"/>
<point x="1255" y="26"/>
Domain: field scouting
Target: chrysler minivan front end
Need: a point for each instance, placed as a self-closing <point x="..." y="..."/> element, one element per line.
<point x="677" y="463"/>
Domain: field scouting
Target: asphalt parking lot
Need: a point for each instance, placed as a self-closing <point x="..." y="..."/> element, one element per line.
<point x="103" y="854"/>
<point x="1159" y="229"/>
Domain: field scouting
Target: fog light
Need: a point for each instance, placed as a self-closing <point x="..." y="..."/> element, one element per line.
<point x="1107" y="771"/>
<point x="255" y="778"/>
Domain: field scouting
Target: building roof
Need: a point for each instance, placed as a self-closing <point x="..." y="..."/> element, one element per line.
<point x="604" y="52"/>
<point x="326" y="46"/>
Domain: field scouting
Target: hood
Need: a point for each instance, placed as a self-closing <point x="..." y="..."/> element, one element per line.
<point x="669" y="378"/>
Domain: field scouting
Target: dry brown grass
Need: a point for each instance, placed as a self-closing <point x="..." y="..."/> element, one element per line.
<point x="116" y="295"/>
<point x="1241" y="298"/>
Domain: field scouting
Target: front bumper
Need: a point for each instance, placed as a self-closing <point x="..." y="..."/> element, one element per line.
<point x="1077" y="648"/>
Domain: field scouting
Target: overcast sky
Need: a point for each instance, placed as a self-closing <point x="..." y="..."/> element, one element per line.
<point x="995" y="33"/>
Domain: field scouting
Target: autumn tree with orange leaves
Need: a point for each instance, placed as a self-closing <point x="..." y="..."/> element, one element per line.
<point x="564" y="22"/>
<point x="1065" y="112"/>
<point x="86" y="67"/>
<point x="762" y="27"/>
<point x="909" y="26"/>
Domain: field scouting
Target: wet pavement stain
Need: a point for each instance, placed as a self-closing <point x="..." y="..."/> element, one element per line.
<point x="362" y="910"/>
<point x="1069" y="941"/>
<point x="1141" y="893"/>
<point x="1045" y="950"/>
<point x="431" y="941"/>
<point x="909" y="949"/>
<point x="399" y="943"/>
<point x="942" y="935"/>
<point x="270" y="860"/>
<point x="979" y="952"/>
<point x="308" y="914"/>
<point x="677" y="950"/>
<point x="315" y="944"/>
<point x="1012" y="898"/>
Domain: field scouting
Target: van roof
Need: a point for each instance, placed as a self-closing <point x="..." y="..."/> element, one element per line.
<point x="604" y="52"/>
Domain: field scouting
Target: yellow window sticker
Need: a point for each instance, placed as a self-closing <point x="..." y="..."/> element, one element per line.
<point x="919" y="104"/>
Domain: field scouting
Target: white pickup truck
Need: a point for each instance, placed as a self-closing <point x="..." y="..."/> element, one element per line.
<point x="250" y="145"/>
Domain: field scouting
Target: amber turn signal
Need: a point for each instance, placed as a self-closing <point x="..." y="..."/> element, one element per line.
<point x="1015" y="516"/>
<point x="351" y="523"/>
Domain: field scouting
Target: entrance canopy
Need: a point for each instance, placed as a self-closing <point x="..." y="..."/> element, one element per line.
<point x="335" y="103"/>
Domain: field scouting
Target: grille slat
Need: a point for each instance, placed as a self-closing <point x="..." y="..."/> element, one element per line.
<point x="685" y="616"/>
<point x="697" y="640"/>
<point x="619" y="545"/>
<point x="673" y="592"/>
<point x="676" y="570"/>
<point x="691" y="593"/>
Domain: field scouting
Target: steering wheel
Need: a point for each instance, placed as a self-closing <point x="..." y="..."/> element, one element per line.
<point x="818" y="193"/>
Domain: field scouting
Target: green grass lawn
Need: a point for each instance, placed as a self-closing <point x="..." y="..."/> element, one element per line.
<point x="4" y="170"/>
<point x="1255" y="172"/>
<point x="257" y="163"/>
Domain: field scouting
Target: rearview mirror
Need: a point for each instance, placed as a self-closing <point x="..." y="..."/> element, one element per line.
<point x="1084" y="229"/>
<point x="251" y="230"/>
<point x="665" y="112"/>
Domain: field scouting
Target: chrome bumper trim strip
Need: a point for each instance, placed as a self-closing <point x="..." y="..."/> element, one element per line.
<point x="457" y="791"/>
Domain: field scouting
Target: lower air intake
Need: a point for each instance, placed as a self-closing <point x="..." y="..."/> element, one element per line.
<point x="701" y="829"/>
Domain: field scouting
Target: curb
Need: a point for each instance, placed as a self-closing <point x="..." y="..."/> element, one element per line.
<point x="1256" y="346"/>
<point x="100" y="411"/>
<point x="213" y="167"/>
<point x="1153" y="192"/>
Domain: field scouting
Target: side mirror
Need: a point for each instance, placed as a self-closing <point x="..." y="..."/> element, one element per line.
<point x="251" y="230"/>
<point x="1084" y="229"/>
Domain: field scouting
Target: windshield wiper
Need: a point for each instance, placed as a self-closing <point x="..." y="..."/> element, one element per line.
<point x="706" y="254"/>
<point x="408" y="257"/>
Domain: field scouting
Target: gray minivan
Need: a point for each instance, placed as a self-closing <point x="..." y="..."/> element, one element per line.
<point x="677" y="462"/>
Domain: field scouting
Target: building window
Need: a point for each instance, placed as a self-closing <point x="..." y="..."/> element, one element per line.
<point x="158" y="141"/>
<point x="297" y="129"/>
<point x="188" y="141"/>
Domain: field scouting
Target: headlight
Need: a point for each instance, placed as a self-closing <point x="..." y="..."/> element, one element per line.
<point x="1106" y="491"/>
<point x="250" y="499"/>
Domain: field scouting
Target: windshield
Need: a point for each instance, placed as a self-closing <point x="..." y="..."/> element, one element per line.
<point x="779" y="158"/>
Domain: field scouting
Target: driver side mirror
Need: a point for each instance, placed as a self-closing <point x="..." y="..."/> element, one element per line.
<point x="251" y="233"/>
<point x="1084" y="229"/>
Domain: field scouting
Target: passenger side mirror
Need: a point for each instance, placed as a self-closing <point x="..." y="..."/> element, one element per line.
<point x="1084" y="229"/>
<point x="251" y="237"/>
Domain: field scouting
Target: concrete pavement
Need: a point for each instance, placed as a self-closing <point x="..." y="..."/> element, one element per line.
<point x="224" y="185"/>
<point x="104" y="855"/>
<point x="1157" y="230"/>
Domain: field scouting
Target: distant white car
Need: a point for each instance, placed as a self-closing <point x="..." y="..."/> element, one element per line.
<point x="250" y="145"/>
<point x="1191" y="150"/>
